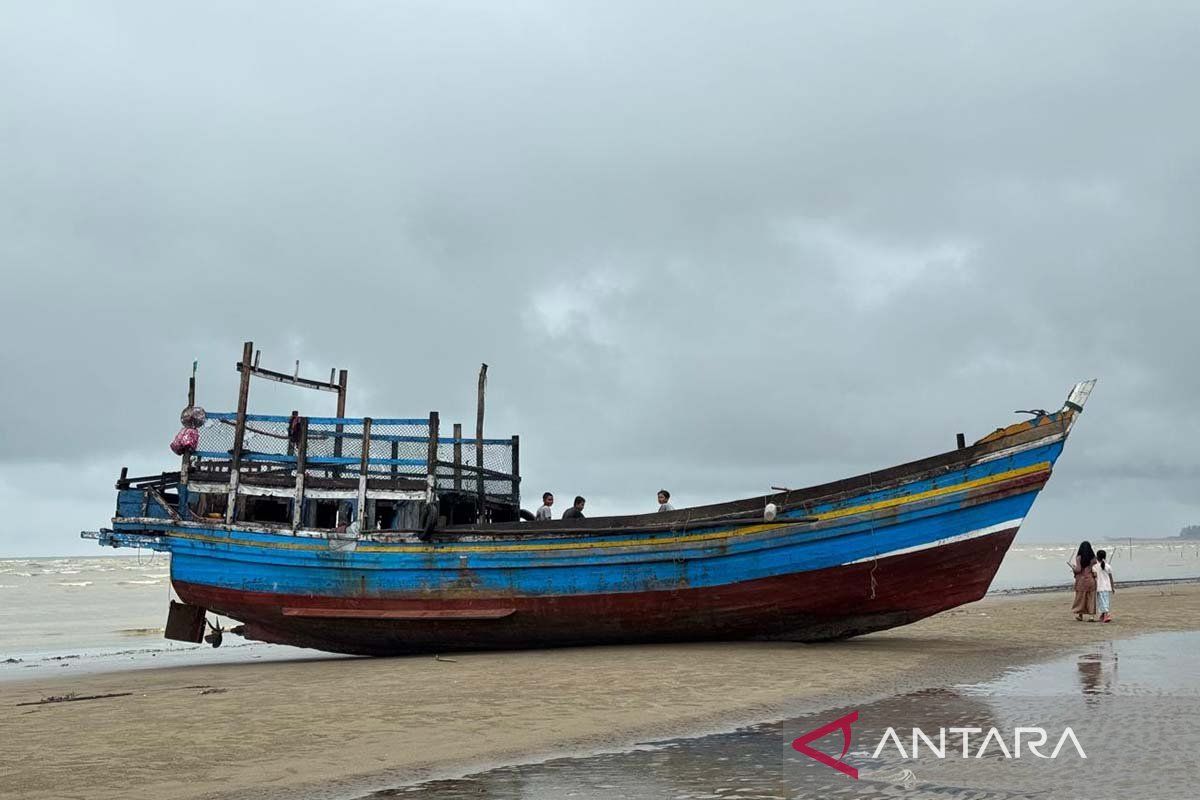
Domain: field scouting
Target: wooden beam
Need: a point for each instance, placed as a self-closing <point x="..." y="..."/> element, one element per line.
<point x="341" y="390"/>
<point x="458" y="456"/>
<point x="363" y="466"/>
<point x="295" y="380"/>
<point x="516" y="470"/>
<point x="239" y="431"/>
<point x="479" y="485"/>
<point x="301" y="465"/>
<point x="341" y="412"/>
<point x="431" y="456"/>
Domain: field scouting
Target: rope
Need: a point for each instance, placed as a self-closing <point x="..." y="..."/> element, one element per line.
<point x="874" y="547"/>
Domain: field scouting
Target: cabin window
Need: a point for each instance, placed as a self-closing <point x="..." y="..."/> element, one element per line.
<point x="268" y="509"/>
<point x="387" y="513"/>
<point x="209" y="505"/>
<point x="325" y="514"/>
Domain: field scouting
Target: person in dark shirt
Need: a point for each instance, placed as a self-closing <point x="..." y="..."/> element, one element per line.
<point x="575" y="511"/>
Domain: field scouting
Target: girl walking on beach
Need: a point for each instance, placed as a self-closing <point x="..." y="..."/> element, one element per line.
<point x="1105" y="585"/>
<point x="1085" y="582"/>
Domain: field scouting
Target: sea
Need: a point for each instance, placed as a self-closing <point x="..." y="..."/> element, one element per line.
<point x="107" y="612"/>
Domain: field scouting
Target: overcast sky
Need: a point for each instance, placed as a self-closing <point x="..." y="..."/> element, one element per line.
<point x="712" y="247"/>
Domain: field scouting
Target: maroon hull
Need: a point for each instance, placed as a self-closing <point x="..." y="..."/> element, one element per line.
<point x="833" y="603"/>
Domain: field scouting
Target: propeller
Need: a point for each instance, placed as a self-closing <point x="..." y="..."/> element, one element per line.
<point x="218" y="633"/>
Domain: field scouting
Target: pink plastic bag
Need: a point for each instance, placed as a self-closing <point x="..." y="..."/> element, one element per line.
<point x="185" y="441"/>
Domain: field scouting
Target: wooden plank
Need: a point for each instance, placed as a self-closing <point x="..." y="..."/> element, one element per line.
<point x="239" y="430"/>
<point x="385" y="613"/>
<point x="301" y="466"/>
<point x="458" y="456"/>
<point x="431" y="456"/>
<point x="516" y="471"/>
<point x="362" y="474"/>
<point x="479" y="486"/>
<point x="162" y="501"/>
<point x="341" y="412"/>
<point x="295" y="380"/>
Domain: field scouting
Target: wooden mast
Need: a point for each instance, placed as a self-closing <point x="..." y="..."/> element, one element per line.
<point x="479" y="442"/>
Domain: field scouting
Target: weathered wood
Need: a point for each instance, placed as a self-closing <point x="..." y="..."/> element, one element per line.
<point x="516" y="471"/>
<point x="431" y="456"/>
<point x="470" y="469"/>
<point x="291" y="446"/>
<point x="301" y="465"/>
<point x="395" y="455"/>
<point x="363" y="466"/>
<point x="239" y="431"/>
<point x="341" y="412"/>
<point x="458" y="456"/>
<point x="479" y="486"/>
<point x="341" y="402"/>
<point x="158" y="497"/>
<point x="962" y="441"/>
<point x="296" y="380"/>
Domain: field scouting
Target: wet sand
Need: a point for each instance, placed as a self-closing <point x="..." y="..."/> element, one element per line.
<point x="345" y="726"/>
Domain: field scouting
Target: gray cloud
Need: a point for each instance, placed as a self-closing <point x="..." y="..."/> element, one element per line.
<point x="702" y="246"/>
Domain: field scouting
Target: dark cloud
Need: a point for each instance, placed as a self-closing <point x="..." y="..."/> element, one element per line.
<point x="703" y="246"/>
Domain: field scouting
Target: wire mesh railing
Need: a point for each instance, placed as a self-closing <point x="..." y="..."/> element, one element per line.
<point x="333" y="447"/>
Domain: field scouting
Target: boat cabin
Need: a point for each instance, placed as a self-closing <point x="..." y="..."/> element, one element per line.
<point x="357" y="474"/>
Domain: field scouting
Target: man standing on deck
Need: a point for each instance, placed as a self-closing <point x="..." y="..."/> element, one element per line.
<point x="543" y="513"/>
<point x="664" y="501"/>
<point x="575" y="511"/>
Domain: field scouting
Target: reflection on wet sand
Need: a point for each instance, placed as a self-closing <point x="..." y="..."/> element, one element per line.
<point x="1125" y="727"/>
<point x="754" y="763"/>
<point x="1098" y="672"/>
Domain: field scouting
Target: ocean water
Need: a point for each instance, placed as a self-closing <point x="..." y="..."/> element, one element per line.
<point x="97" y="614"/>
<point x="1036" y="565"/>
<point x="1131" y="706"/>
<point x="108" y="611"/>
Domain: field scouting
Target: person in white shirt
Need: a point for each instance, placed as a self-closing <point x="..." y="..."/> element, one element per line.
<point x="543" y="513"/>
<point x="1105" y="585"/>
<point x="664" y="501"/>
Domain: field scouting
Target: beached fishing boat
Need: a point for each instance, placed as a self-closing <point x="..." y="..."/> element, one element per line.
<point x="383" y="536"/>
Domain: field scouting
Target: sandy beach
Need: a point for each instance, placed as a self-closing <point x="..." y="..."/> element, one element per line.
<point x="340" y="727"/>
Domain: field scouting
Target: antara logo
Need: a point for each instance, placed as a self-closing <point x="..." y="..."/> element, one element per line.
<point x="1033" y="739"/>
<point x="843" y="724"/>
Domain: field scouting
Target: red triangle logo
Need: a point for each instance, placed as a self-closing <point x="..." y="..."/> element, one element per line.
<point x="843" y="724"/>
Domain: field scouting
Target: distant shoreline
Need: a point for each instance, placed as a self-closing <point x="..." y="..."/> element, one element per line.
<point x="1064" y="587"/>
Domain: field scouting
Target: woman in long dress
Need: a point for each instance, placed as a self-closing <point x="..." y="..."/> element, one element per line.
<point x="1085" y="582"/>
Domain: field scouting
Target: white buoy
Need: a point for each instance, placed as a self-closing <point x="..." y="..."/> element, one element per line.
<point x="769" y="512"/>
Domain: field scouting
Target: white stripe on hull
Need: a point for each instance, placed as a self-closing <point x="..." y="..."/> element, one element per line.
<point x="962" y="537"/>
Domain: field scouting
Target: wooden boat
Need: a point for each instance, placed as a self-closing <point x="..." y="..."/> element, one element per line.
<point x="381" y="536"/>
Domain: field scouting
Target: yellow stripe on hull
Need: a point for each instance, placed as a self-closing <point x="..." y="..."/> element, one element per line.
<point x="879" y="505"/>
